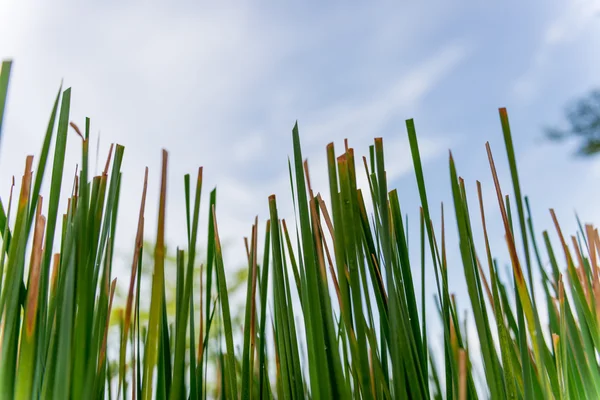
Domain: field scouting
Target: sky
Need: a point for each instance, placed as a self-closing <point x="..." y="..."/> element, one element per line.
<point x="221" y="86"/>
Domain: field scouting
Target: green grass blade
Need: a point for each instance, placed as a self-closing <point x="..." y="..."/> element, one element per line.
<point x="153" y="336"/>
<point x="229" y="358"/>
<point x="5" y="69"/>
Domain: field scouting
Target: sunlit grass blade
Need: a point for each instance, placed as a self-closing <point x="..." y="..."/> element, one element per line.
<point x="5" y="69"/>
<point x="11" y="301"/>
<point x="25" y="374"/>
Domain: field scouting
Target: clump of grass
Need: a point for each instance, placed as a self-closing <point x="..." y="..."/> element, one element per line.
<point x="330" y="312"/>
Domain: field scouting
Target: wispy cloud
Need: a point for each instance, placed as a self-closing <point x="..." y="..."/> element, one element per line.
<point x="571" y="23"/>
<point x="369" y="114"/>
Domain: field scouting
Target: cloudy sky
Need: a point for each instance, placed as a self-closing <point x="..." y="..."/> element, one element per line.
<point x="221" y="86"/>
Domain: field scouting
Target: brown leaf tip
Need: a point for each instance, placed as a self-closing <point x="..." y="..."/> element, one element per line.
<point x="76" y="129"/>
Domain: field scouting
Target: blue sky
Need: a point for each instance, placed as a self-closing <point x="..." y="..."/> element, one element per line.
<point x="222" y="85"/>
